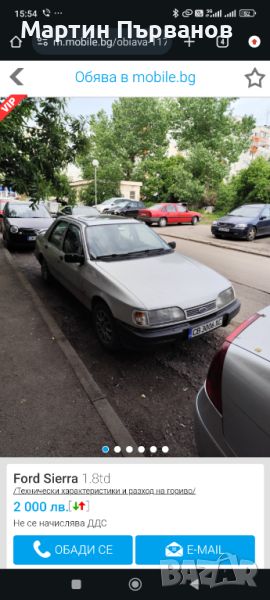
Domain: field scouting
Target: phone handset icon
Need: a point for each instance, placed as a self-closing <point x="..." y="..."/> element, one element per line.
<point x="36" y="546"/>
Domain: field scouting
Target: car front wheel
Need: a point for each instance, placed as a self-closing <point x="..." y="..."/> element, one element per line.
<point x="194" y="220"/>
<point x="105" y="327"/>
<point x="162" y="222"/>
<point x="251" y="234"/>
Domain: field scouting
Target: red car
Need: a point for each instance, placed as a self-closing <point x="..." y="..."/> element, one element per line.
<point x="168" y="214"/>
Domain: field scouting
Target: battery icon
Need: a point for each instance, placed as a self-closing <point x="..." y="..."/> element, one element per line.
<point x="247" y="12"/>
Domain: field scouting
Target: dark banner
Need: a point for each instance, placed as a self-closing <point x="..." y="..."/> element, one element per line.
<point x="162" y="33"/>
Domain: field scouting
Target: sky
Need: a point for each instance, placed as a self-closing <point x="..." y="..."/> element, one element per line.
<point x="258" y="107"/>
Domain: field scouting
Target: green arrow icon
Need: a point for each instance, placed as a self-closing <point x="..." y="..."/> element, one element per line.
<point x="76" y="506"/>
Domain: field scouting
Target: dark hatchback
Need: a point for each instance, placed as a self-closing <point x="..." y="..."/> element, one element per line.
<point x="22" y="222"/>
<point x="127" y="208"/>
<point x="246" y="222"/>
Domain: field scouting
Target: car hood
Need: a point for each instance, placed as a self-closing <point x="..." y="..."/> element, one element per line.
<point x="236" y="220"/>
<point x="36" y="223"/>
<point x="168" y="280"/>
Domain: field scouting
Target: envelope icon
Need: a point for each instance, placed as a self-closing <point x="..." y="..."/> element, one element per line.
<point x="174" y="549"/>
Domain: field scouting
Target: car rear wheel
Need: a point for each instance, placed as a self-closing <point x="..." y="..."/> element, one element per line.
<point x="105" y="327"/>
<point x="251" y="234"/>
<point x="162" y="222"/>
<point x="194" y="220"/>
<point x="45" y="273"/>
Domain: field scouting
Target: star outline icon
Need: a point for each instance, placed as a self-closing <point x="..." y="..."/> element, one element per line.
<point x="258" y="76"/>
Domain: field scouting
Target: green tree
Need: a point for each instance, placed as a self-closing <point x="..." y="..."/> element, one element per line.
<point x="134" y="132"/>
<point x="253" y="184"/>
<point x="248" y="186"/>
<point x="102" y="147"/>
<point x="132" y="143"/>
<point x="169" y="179"/>
<point x="38" y="140"/>
<point x="210" y="136"/>
<point x="140" y="127"/>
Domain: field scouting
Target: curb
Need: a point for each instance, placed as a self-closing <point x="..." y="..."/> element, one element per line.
<point x="110" y="418"/>
<point x="212" y="243"/>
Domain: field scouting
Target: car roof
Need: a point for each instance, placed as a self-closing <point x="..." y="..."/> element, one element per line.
<point x="98" y="220"/>
<point x="261" y="204"/>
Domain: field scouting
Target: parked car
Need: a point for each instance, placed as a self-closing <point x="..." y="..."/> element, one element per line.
<point x="22" y="221"/>
<point x="168" y="214"/>
<point x="233" y="406"/>
<point x="139" y="289"/>
<point x="127" y="208"/>
<point x="88" y="211"/>
<point x="108" y="205"/>
<point x="246" y="222"/>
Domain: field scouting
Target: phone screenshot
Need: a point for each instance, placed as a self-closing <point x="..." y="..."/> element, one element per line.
<point x="134" y="300"/>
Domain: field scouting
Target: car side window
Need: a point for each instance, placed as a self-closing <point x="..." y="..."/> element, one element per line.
<point x="58" y="234"/>
<point x="171" y="208"/>
<point x="266" y="212"/>
<point x="73" y="241"/>
<point x="181" y="209"/>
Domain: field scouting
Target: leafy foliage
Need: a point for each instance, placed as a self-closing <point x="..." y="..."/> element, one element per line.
<point x="248" y="186"/>
<point x="133" y="143"/>
<point x="38" y="140"/>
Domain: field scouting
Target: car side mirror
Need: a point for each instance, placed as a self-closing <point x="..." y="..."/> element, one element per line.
<point x="74" y="258"/>
<point x="172" y="245"/>
<point x="263" y="217"/>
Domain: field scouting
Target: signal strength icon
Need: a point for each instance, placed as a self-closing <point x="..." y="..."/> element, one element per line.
<point x="217" y="14"/>
<point x="231" y="15"/>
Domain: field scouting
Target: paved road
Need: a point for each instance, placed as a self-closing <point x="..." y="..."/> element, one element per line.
<point x="154" y="392"/>
<point x="202" y="233"/>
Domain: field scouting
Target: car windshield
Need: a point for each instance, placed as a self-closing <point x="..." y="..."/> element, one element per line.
<point x="119" y="241"/>
<point x="27" y="211"/>
<point x="246" y="211"/>
<point x="85" y="210"/>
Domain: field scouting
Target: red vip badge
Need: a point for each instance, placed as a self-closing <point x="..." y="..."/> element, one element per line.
<point x="9" y="104"/>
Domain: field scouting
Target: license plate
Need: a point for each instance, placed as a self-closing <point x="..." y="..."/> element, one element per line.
<point x="32" y="238"/>
<point x="223" y="229"/>
<point x="205" y="327"/>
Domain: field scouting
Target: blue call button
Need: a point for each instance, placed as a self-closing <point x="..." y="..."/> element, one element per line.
<point x="201" y="549"/>
<point x="73" y="550"/>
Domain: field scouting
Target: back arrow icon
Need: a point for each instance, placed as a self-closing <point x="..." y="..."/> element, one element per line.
<point x="14" y="77"/>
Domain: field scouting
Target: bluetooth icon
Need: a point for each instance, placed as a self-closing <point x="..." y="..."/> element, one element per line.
<point x="175" y="13"/>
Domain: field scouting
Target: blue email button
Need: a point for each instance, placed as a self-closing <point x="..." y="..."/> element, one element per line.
<point x="198" y="549"/>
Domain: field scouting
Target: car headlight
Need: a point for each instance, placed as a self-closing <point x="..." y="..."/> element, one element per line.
<point x="214" y="223"/>
<point x="241" y="226"/>
<point x="225" y="297"/>
<point x="14" y="229"/>
<point x="161" y="316"/>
